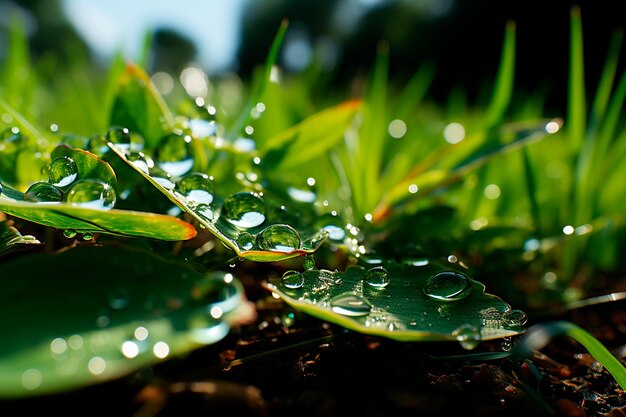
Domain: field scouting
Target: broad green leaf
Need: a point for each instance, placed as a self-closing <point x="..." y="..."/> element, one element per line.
<point x="83" y="316"/>
<point x="12" y="240"/>
<point x="88" y="220"/>
<point x="391" y="301"/>
<point x="252" y="225"/>
<point x="309" y="139"/>
<point x="139" y="107"/>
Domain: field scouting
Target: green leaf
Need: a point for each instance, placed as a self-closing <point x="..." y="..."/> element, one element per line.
<point x="503" y="90"/>
<point x="310" y="138"/>
<point x="139" y="107"/>
<point x="12" y="240"/>
<point x="263" y="230"/>
<point x="82" y="316"/>
<point x="401" y="310"/>
<point x="87" y="220"/>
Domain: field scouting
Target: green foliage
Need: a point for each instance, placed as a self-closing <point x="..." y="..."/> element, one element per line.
<point x="12" y="240"/>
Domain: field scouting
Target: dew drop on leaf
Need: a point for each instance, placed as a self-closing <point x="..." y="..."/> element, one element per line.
<point x="62" y="171"/>
<point x="292" y="280"/>
<point x="43" y="192"/>
<point x="467" y="335"/>
<point x="174" y="154"/>
<point x="98" y="145"/>
<point x="205" y="211"/>
<point x="309" y="262"/>
<point x="245" y="241"/>
<point x="448" y="286"/>
<point x="350" y="304"/>
<point x="140" y="161"/>
<point x="513" y="318"/>
<point x="278" y="238"/>
<point x="69" y="233"/>
<point x="377" y="277"/>
<point x="197" y="188"/>
<point x="91" y="193"/>
<point x="124" y="140"/>
<point x="87" y="236"/>
<point x="244" y="210"/>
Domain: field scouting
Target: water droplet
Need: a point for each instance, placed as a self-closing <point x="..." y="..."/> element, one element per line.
<point x="514" y="318"/>
<point x="98" y="145"/>
<point x="69" y="233"/>
<point x="124" y="140"/>
<point x="91" y="193"/>
<point x="377" y="277"/>
<point x="62" y="171"/>
<point x="140" y="161"/>
<point x="174" y="154"/>
<point x="468" y="336"/>
<point x="197" y="188"/>
<point x="292" y="280"/>
<point x="350" y="304"/>
<point x="309" y="262"/>
<point x="448" y="286"/>
<point x="205" y="211"/>
<point x="43" y="192"/>
<point x="244" y="210"/>
<point x="245" y="241"/>
<point x="332" y="225"/>
<point x="506" y="344"/>
<point x="87" y="236"/>
<point x="278" y="238"/>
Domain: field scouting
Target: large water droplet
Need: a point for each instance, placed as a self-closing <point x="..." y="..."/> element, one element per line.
<point x="91" y="193"/>
<point x="43" y="192"/>
<point x="292" y="280"/>
<point x="124" y="140"/>
<point x="468" y="336"/>
<point x="377" y="277"/>
<point x="244" y="210"/>
<point x="448" y="286"/>
<point x="514" y="318"/>
<point x="350" y="304"/>
<point x="197" y="188"/>
<point x="245" y="241"/>
<point x="62" y="171"/>
<point x="278" y="238"/>
<point x="140" y="161"/>
<point x="174" y="154"/>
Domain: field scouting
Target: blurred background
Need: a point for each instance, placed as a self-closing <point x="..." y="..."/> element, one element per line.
<point x="339" y="37"/>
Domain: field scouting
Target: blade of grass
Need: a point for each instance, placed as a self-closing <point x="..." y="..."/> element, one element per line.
<point x="503" y="89"/>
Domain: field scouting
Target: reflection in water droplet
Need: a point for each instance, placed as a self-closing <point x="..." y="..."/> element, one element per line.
<point x="174" y="154"/>
<point x="197" y="188"/>
<point x="43" y="192"/>
<point x="140" y="161"/>
<point x="244" y="210"/>
<point x="292" y="280"/>
<point x="204" y="211"/>
<point x="278" y="238"/>
<point x="121" y="138"/>
<point x="62" y="171"/>
<point x="350" y="304"/>
<point x="332" y="224"/>
<point x="514" y="318"/>
<point x="91" y="193"/>
<point x="468" y="336"/>
<point x="377" y="277"/>
<point x="245" y="241"/>
<point x="448" y="286"/>
<point x="304" y="196"/>
<point x="87" y="236"/>
<point x="205" y="329"/>
<point x="98" y="145"/>
<point x="69" y="233"/>
<point x="309" y="262"/>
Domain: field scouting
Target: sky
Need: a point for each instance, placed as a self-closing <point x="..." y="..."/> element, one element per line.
<point x="112" y="25"/>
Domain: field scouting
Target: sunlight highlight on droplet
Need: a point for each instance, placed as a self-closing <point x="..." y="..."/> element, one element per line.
<point x="552" y="127"/>
<point x="58" y="346"/>
<point x="310" y="181"/>
<point x="141" y="333"/>
<point x="97" y="365"/>
<point x="413" y="188"/>
<point x="568" y="230"/>
<point x="216" y="312"/>
<point x="454" y="133"/>
<point x="130" y="349"/>
<point x="492" y="191"/>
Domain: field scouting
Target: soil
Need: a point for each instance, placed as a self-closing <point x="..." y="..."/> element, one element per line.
<point x="289" y="364"/>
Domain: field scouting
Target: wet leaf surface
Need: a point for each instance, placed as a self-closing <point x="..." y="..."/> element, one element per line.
<point x="12" y="240"/>
<point x="85" y="316"/>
